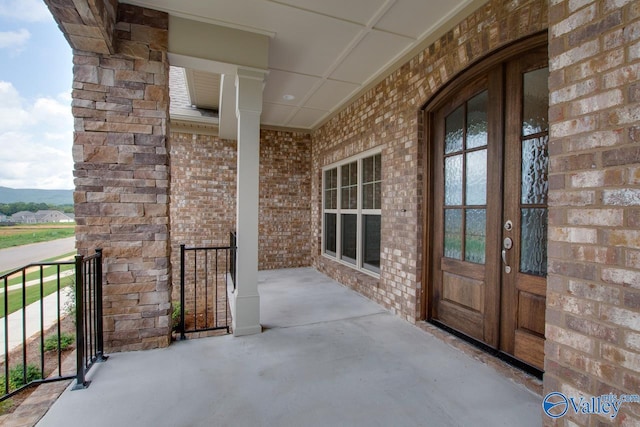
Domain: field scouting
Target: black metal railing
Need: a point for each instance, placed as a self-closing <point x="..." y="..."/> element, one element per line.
<point x="37" y="320"/>
<point x="233" y="244"/>
<point x="204" y="276"/>
<point x="89" y="321"/>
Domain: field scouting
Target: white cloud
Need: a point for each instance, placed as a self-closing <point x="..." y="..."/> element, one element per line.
<point x="14" y="40"/>
<point x="35" y="141"/>
<point x="53" y="113"/>
<point x="25" y="10"/>
<point x="12" y="114"/>
<point x="26" y="163"/>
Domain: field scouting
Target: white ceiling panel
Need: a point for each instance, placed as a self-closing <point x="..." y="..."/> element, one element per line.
<point x="322" y="52"/>
<point x="248" y="15"/>
<point x="276" y="114"/>
<point x="415" y="17"/>
<point x="375" y="51"/>
<point x="359" y="11"/>
<point x="310" y="46"/>
<point x="303" y="41"/>
<point x="306" y="118"/>
<point x="280" y="83"/>
<point x="330" y="94"/>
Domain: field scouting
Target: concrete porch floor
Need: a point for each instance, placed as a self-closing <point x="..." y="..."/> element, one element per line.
<point x="327" y="357"/>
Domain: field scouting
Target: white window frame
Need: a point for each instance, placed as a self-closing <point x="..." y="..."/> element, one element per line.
<point x="339" y="211"/>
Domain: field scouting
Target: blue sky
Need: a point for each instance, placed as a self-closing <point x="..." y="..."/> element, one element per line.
<point x="36" y="125"/>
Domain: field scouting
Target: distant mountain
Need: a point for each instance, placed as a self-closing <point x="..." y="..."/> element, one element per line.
<point x="52" y="197"/>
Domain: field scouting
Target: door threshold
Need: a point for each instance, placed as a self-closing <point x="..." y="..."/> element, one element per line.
<point x="510" y="367"/>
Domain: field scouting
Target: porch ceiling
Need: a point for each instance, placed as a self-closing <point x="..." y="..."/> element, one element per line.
<point x="322" y="53"/>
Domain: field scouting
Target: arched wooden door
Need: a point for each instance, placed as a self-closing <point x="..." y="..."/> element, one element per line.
<point x="488" y="241"/>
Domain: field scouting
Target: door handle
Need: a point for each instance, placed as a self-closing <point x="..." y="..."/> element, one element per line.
<point x="506" y="245"/>
<point x="507" y="268"/>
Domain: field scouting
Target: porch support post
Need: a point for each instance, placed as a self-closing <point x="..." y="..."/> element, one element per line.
<point x="246" y="315"/>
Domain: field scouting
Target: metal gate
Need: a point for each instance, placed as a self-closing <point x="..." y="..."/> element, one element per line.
<point x="205" y="274"/>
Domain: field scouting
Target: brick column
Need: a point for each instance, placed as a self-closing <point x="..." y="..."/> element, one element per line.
<point x="593" y="301"/>
<point x="120" y="105"/>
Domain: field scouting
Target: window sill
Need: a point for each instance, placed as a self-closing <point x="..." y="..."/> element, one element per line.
<point x="352" y="266"/>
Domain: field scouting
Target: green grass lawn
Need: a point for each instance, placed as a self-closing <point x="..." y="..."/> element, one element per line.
<point x="24" y="234"/>
<point x="18" y="235"/>
<point x="32" y="294"/>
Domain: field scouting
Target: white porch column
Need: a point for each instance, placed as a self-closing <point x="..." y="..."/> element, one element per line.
<point x="246" y="316"/>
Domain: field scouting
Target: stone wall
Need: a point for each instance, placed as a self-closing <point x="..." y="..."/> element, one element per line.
<point x="120" y="105"/>
<point x="593" y="300"/>
<point x="88" y="25"/>
<point x="389" y="116"/>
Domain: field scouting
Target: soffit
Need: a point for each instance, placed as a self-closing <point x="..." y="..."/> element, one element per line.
<point x="204" y="88"/>
<point x="321" y="52"/>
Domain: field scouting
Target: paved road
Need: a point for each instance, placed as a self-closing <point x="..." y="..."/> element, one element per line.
<point x="20" y="256"/>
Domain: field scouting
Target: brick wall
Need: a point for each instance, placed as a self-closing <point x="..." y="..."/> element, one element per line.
<point x="388" y="116"/>
<point x="203" y="196"/>
<point x="120" y="105"/>
<point x="593" y="303"/>
<point x="203" y="190"/>
<point x="285" y="206"/>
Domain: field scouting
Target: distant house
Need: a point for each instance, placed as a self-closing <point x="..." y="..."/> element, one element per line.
<point x="43" y="216"/>
<point x="24" y="217"/>
<point x="3" y="218"/>
<point x="52" y="216"/>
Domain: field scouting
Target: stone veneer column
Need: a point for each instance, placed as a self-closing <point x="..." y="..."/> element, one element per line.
<point x="88" y="25"/>
<point x="246" y="301"/>
<point x="120" y="105"/>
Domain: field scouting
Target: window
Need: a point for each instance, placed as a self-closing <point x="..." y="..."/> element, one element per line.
<point x="465" y="185"/>
<point x="352" y="211"/>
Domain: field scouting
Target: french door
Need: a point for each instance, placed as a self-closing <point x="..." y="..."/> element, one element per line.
<point x="488" y="258"/>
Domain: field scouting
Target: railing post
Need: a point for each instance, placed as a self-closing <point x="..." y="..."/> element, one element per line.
<point x="6" y="334"/>
<point x="232" y="244"/>
<point x="99" y="321"/>
<point x="81" y="383"/>
<point x="182" y="255"/>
